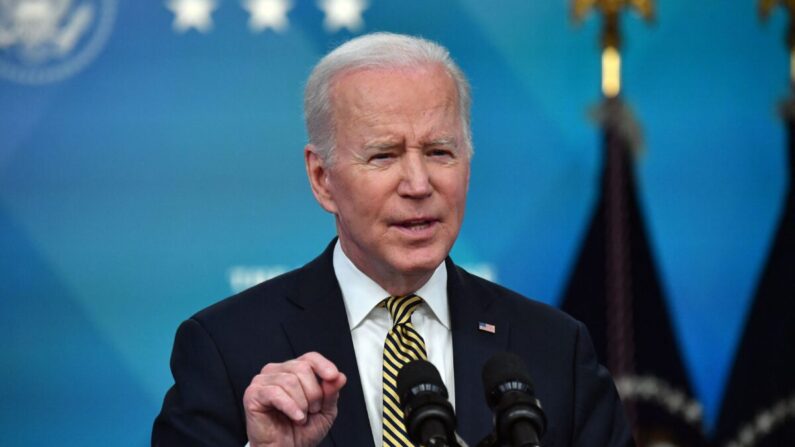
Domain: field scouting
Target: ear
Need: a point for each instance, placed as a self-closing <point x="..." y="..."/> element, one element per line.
<point x="469" y="171"/>
<point x="318" y="174"/>
<point x="468" y="162"/>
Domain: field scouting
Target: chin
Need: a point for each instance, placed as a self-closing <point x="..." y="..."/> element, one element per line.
<point x="413" y="262"/>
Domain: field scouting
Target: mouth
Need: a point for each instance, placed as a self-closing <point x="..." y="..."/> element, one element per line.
<point x="417" y="225"/>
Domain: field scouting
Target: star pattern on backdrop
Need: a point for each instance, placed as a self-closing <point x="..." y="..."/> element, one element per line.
<point x="264" y="14"/>
<point x="196" y="14"/>
<point x="343" y="14"/>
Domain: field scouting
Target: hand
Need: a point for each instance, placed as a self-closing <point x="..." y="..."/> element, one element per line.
<point x="293" y="404"/>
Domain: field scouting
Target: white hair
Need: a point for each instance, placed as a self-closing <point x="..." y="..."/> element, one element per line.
<point x="376" y="50"/>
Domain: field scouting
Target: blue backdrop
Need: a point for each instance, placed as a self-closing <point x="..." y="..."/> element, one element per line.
<point x="149" y="168"/>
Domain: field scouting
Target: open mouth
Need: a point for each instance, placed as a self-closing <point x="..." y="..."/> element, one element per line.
<point x="416" y="224"/>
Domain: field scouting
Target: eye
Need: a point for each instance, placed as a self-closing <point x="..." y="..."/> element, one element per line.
<point x="440" y="152"/>
<point x="382" y="156"/>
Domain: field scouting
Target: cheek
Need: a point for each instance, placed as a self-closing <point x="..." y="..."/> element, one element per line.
<point x="455" y="189"/>
<point x="361" y="203"/>
<point x="373" y="190"/>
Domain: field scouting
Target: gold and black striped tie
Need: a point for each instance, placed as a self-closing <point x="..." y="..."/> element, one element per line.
<point x="403" y="344"/>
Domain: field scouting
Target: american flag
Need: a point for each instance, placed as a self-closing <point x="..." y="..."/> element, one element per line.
<point x="487" y="327"/>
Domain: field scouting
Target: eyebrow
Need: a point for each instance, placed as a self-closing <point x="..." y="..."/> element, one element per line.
<point x="391" y="144"/>
<point x="442" y="141"/>
<point x="381" y="145"/>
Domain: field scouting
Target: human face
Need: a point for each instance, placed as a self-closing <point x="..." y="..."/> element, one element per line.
<point x="398" y="180"/>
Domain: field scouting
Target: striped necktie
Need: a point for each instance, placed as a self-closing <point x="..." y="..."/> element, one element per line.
<point x="403" y="344"/>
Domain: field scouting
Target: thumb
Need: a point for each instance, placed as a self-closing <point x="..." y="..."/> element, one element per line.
<point x="331" y="393"/>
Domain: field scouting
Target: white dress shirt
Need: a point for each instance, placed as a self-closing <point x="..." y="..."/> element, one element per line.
<point x="370" y="323"/>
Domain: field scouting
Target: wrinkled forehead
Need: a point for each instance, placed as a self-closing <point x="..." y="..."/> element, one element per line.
<point x="363" y="92"/>
<point x="355" y="79"/>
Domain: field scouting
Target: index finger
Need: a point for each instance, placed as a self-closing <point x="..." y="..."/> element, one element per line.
<point x="322" y="366"/>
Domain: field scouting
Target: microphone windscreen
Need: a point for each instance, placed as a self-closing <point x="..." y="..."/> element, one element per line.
<point x="418" y="372"/>
<point x="501" y="368"/>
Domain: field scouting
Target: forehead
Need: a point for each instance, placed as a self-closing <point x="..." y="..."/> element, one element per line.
<point x="403" y="90"/>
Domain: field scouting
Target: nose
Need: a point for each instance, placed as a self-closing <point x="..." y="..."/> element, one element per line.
<point x="415" y="181"/>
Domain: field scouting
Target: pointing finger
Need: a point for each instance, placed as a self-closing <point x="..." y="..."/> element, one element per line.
<point x="331" y="393"/>
<point x="323" y="367"/>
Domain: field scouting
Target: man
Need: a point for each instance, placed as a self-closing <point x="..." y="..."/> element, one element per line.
<point x="309" y="358"/>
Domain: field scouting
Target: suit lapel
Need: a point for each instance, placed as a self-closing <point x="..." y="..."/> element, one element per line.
<point x="470" y="305"/>
<point x="323" y="327"/>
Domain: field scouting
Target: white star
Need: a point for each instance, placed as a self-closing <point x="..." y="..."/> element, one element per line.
<point x="192" y="14"/>
<point x="267" y="14"/>
<point x="343" y="13"/>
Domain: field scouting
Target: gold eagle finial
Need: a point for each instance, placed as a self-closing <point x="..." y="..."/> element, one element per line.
<point x="611" y="35"/>
<point x="611" y="9"/>
<point x="766" y="8"/>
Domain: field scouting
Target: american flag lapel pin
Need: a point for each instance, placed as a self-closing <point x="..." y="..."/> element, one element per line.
<point x="487" y="327"/>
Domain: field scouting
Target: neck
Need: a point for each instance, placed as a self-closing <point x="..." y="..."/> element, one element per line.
<point x="394" y="282"/>
<point x="403" y="285"/>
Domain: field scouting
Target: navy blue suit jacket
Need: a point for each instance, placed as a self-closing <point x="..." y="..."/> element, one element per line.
<point x="220" y="349"/>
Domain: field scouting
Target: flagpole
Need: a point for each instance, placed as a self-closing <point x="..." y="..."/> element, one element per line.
<point x="766" y="8"/>
<point x="761" y="378"/>
<point x="622" y="136"/>
<point x="787" y="107"/>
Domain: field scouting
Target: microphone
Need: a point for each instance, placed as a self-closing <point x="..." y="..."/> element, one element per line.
<point x="518" y="418"/>
<point x="429" y="417"/>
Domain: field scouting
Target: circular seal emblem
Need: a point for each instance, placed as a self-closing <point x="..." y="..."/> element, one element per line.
<point x="43" y="41"/>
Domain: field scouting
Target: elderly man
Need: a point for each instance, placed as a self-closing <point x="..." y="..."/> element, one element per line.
<point x="310" y="358"/>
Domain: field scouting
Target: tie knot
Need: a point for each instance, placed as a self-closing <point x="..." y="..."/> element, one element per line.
<point x="401" y="307"/>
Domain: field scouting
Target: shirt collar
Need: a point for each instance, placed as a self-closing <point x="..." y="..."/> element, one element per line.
<point x="361" y="294"/>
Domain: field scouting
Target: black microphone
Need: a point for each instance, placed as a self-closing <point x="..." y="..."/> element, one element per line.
<point x="428" y="416"/>
<point x="519" y="420"/>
